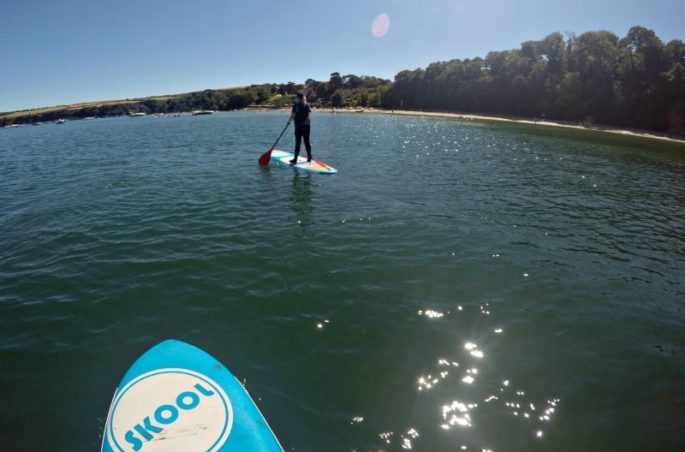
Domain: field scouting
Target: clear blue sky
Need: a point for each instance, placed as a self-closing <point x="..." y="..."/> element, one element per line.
<point x="64" y="51"/>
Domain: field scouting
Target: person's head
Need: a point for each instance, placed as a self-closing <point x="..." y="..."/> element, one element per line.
<point x="300" y="98"/>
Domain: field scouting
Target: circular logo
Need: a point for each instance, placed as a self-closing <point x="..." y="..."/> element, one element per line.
<point x="170" y="408"/>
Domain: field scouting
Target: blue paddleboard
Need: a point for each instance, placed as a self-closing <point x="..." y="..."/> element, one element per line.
<point x="176" y="397"/>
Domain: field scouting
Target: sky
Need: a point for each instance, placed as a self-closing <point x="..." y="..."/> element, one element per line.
<point x="67" y="51"/>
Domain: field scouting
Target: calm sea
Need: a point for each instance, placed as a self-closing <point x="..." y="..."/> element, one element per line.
<point x="456" y="286"/>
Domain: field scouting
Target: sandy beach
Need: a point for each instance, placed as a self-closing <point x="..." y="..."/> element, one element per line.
<point x="545" y="123"/>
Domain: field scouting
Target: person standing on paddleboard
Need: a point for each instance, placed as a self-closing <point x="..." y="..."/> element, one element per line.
<point x="300" y="115"/>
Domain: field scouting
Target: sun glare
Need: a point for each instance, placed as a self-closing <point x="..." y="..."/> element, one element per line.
<point x="380" y="25"/>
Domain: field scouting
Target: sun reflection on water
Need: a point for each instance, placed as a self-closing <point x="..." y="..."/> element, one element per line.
<point x="431" y="314"/>
<point x="474" y="394"/>
<point x="457" y="414"/>
<point x="408" y="437"/>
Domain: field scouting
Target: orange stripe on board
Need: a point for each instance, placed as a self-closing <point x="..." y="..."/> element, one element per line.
<point x="323" y="164"/>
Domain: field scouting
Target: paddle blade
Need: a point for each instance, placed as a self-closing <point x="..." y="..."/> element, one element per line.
<point x="264" y="159"/>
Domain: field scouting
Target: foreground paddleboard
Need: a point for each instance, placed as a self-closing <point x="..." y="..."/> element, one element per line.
<point x="176" y="397"/>
<point x="314" y="166"/>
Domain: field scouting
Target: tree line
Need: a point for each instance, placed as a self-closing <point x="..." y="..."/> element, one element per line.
<point x="636" y="81"/>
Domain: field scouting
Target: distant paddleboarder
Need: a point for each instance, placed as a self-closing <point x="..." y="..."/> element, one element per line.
<point x="300" y="115"/>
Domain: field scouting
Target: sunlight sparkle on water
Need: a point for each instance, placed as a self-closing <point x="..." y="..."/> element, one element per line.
<point x="385" y="436"/>
<point x="456" y="413"/>
<point x="427" y="382"/>
<point x="431" y="314"/>
<point x="406" y="440"/>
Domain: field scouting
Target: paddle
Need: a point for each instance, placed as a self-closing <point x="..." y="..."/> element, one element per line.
<point x="264" y="159"/>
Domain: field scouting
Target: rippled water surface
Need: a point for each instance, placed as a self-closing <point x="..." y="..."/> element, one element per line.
<point x="456" y="286"/>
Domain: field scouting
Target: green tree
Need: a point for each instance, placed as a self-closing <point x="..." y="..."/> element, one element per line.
<point x="236" y="102"/>
<point x="335" y="82"/>
<point x="337" y="100"/>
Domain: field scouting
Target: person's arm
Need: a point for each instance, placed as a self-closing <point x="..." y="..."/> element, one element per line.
<point x="292" y="115"/>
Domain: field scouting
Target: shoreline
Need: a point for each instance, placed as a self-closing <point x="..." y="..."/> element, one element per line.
<point x="544" y="123"/>
<point x="511" y="120"/>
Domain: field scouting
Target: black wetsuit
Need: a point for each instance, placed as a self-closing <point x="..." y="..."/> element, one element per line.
<point x="302" y="128"/>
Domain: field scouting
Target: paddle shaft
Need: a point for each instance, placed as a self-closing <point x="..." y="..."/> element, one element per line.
<point x="264" y="159"/>
<point x="279" y="137"/>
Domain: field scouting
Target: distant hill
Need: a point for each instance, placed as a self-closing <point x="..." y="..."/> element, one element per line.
<point x="349" y="90"/>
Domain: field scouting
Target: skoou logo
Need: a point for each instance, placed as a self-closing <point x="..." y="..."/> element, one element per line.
<point x="170" y="404"/>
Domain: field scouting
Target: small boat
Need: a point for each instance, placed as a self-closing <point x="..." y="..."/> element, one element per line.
<point x="89" y="118"/>
<point x="203" y="112"/>
<point x="140" y="113"/>
<point x="60" y="121"/>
